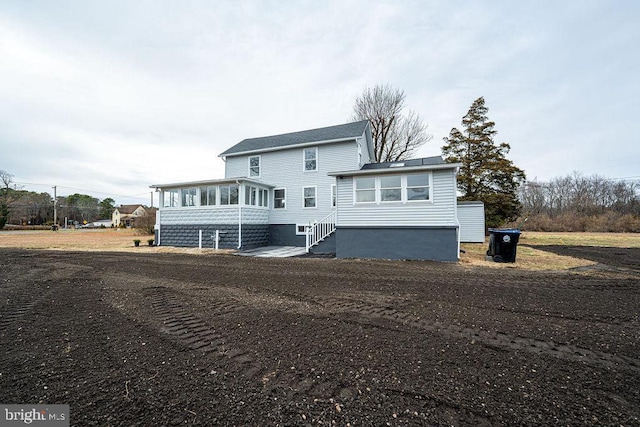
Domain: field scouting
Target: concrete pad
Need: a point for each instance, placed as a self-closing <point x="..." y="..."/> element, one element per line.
<point x="274" y="252"/>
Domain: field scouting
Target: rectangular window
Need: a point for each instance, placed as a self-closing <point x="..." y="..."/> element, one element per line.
<point x="418" y="187"/>
<point x="247" y="195"/>
<point x="208" y="195"/>
<point x="170" y="198"/>
<point x="309" y="197"/>
<point x="301" y="229"/>
<point x="310" y="159"/>
<point x="365" y="190"/>
<point x="391" y="188"/>
<point x="229" y="194"/>
<point x="254" y="166"/>
<point x="279" y="198"/>
<point x="189" y="196"/>
<point x="334" y="196"/>
<point x="264" y="198"/>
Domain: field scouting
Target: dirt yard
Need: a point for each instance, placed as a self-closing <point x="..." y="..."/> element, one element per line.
<point x="150" y="338"/>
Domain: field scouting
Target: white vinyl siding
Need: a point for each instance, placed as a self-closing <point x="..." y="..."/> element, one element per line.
<point x="282" y="169"/>
<point x="438" y="211"/>
<point x="472" y="222"/>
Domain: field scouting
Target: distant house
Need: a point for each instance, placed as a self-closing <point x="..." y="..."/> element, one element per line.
<point x="318" y="188"/>
<point x="126" y="215"/>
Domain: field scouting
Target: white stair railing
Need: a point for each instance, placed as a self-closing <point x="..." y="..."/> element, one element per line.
<point x="317" y="231"/>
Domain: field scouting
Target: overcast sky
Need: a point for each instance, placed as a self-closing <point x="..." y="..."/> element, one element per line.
<point x="108" y="97"/>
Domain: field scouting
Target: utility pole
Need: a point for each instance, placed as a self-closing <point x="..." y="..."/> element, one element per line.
<point x="55" y="208"/>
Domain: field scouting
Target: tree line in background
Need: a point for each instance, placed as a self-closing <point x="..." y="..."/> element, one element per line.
<point x="581" y="203"/>
<point x="21" y="207"/>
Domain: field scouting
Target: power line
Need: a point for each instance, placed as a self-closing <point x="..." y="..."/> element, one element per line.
<point x="139" y="195"/>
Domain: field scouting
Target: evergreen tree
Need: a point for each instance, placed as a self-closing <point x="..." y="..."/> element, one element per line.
<point x="486" y="174"/>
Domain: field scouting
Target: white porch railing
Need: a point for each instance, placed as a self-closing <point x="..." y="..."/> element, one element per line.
<point x="319" y="230"/>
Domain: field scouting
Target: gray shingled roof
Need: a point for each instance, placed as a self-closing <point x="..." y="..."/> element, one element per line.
<point x="425" y="161"/>
<point x="345" y="131"/>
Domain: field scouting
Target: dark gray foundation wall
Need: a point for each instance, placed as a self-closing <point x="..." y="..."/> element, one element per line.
<point x="285" y="235"/>
<point x="188" y="235"/>
<point x="433" y="243"/>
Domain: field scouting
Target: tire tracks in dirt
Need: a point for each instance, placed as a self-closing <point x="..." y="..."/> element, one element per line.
<point x="498" y="340"/>
<point x="180" y="323"/>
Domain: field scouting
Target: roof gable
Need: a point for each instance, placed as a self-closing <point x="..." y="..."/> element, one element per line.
<point x="127" y="209"/>
<point x="320" y="135"/>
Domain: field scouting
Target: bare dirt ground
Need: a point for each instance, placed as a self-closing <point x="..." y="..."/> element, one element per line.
<point x="149" y="338"/>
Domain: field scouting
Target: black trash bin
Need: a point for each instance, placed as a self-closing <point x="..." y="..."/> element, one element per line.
<point x="503" y="244"/>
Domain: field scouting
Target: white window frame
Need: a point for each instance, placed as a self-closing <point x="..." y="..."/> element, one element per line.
<point x="173" y="199"/>
<point x="284" y="199"/>
<point x="334" y="196"/>
<point x="404" y="189"/>
<point x="304" y="159"/>
<point x="429" y="188"/>
<point x="379" y="189"/>
<point x="315" y="197"/>
<point x="305" y="229"/>
<point x="204" y="191"/>
<point x="189" y="197"/>
<point x="259" y="166"/>
<point x="374" y="189"/>
<point x="228" y="187"/>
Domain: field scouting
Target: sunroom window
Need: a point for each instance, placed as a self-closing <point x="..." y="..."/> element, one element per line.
<point x="189" y="196"/>
<point x="391" y="188"/>
<point x="418" y="187"/>
<point x="365" y="190"/>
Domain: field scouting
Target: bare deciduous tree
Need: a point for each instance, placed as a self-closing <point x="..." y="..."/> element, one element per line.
<point x="395" y="136"/>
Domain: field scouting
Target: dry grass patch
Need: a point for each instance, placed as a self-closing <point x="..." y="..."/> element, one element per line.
<point x="528" y="258"/>
<point x="118" y="240"/>
<point x="604" y="240"/>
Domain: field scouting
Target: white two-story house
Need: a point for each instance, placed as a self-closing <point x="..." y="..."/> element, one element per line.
<point x="320" y="189"/>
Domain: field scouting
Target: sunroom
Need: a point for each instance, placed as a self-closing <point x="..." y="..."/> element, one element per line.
<point x="224" y="213"/>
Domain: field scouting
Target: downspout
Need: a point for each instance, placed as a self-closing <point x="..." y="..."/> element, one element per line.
<point x="455" y="208"/>
<point x="239" y="217"/>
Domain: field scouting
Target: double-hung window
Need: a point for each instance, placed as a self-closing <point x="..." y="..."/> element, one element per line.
<point x="308" y="197"/>
<point x="254" y="166"/>
<point x="310" y="159"/>
<point x="365" y="190"/>
<point x="391" y="188"/>
<point x="417" y="187"/>
<point x="279" y="198"/>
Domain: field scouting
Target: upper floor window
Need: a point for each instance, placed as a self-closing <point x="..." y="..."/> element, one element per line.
<point x="279" y="198"/>
<point x="311" y="159"/>
<point x="189" y="196"/>
<point x="254" y="166"/>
